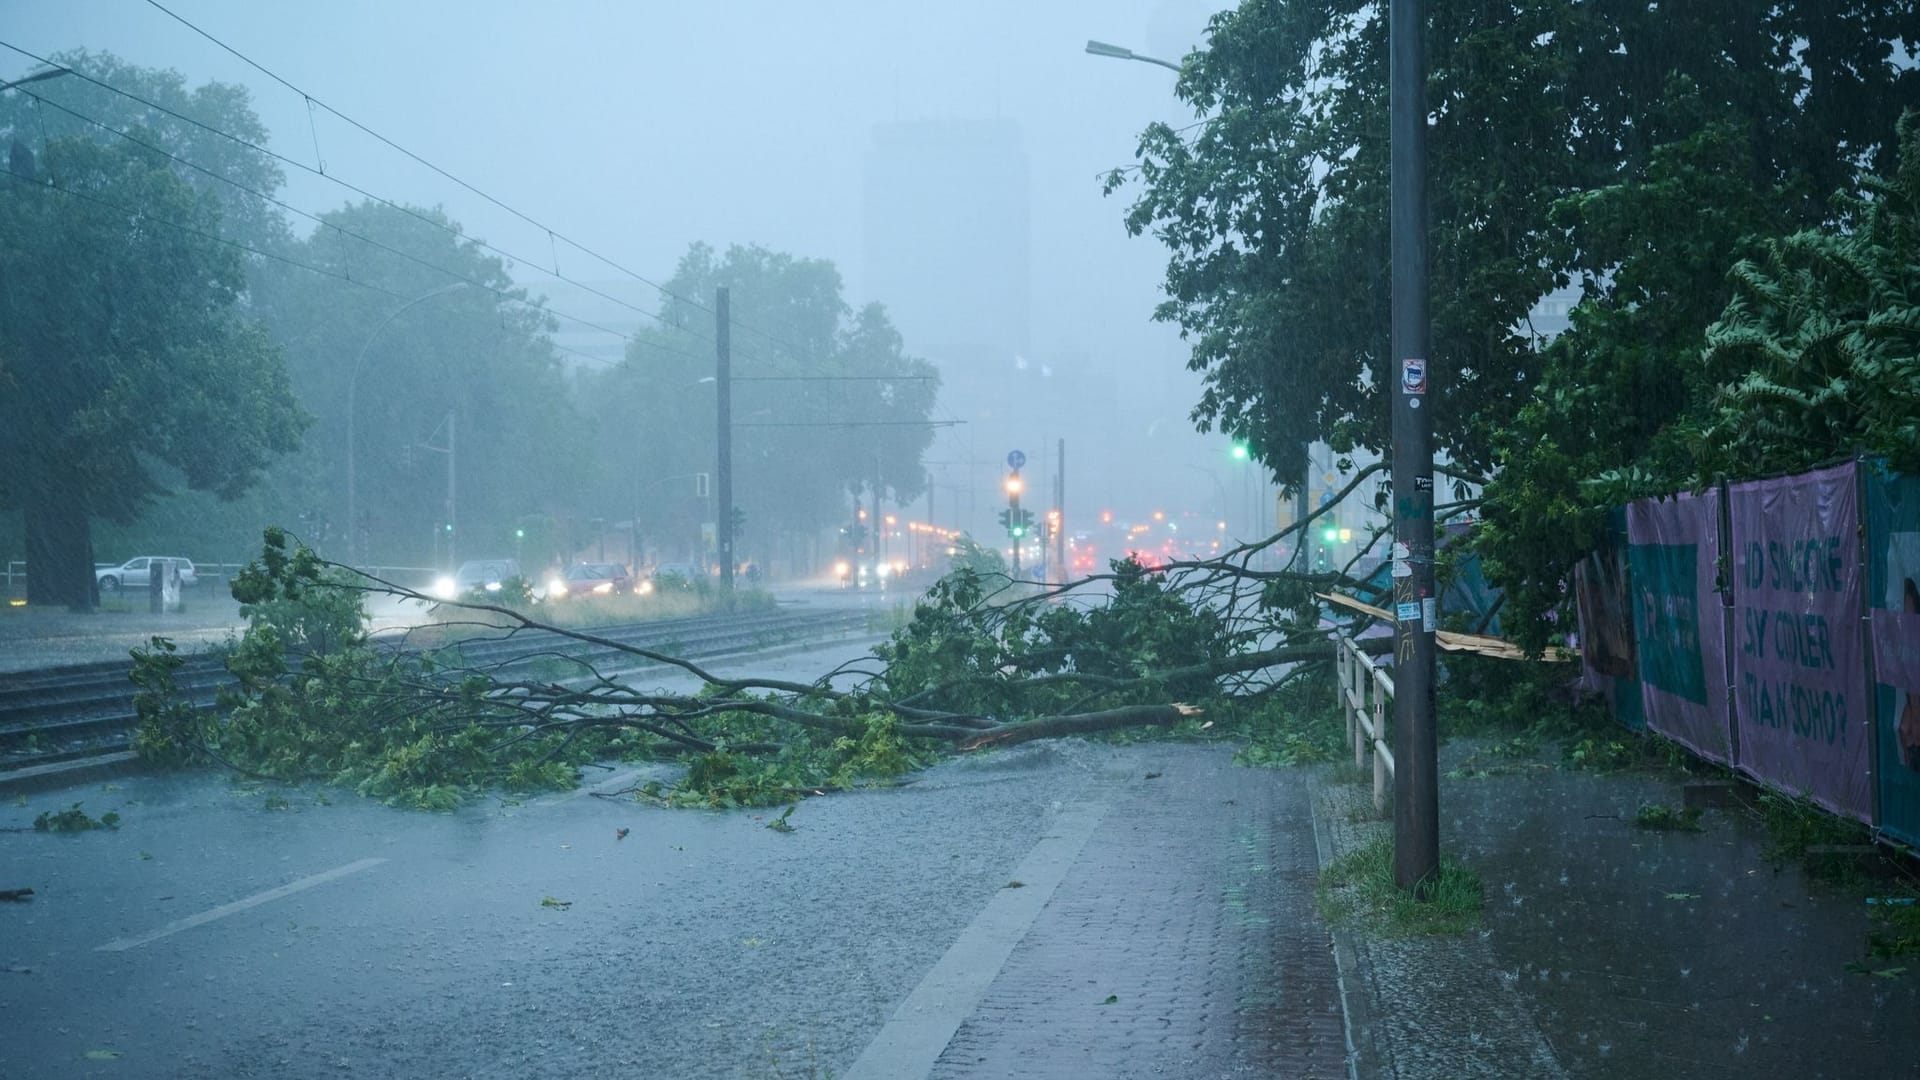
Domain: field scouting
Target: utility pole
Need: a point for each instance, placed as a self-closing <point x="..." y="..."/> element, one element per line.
<point x="723" y="470"/>
<point x="1060" y="510"/>
<point x="1013" y="519"/>
<point x="1416" y="774"/>
<point x="453" y="507"/>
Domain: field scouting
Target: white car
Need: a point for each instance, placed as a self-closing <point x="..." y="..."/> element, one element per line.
<point x="133" y="573"/>
<point x="477" y="575"/>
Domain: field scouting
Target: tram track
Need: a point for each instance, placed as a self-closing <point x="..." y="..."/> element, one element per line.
<point x="56" y="722"/>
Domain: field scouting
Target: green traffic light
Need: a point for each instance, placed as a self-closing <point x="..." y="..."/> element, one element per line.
<point x="1240" y="451"/>
<point x="519" y="534"/>
<point x="1020" y="530"/>
<point x="1331" y="535"/>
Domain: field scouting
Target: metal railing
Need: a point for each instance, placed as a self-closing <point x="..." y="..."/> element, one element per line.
<point x="1366" y="691"/>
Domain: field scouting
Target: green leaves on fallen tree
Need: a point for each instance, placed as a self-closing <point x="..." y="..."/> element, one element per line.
<point x="74" y="819"/>
<point x="982" y="664"/>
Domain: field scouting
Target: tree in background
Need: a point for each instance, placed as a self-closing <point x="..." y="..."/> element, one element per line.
<point x="825" y="402"/>
<point x="475" y="349"/>
<point x="126" y="366"/>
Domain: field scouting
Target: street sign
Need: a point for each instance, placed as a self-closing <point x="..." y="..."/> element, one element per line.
<point x="1015" y="459"/>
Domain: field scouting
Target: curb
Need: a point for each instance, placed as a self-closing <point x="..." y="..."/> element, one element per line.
<point x="1355" y="1006"/>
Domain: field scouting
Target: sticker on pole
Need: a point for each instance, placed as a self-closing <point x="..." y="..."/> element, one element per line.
<point x="1402" y="568"/>
<point x="1429" y="614"/>
<point x="1413" y="376"/>
<point x="1401" y="550"/>
<point x="1406" y="611"/>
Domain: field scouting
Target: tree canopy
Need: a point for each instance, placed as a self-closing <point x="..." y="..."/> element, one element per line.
<point x="1633" y="152"/>
<point x="826" y="403"/>
<point x="126" y="363"/>
<point x="1626" y="148"/>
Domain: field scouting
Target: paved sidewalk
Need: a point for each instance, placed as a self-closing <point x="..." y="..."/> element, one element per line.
<point x="32" y="638"/>
<point x="1181" y="942"/>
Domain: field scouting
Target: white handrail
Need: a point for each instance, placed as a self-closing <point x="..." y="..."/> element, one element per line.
<point x="1366" y="720"/>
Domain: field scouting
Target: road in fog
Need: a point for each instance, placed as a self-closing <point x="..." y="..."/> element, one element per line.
<point x="212" y="935"/>
<point x="217" y="934"/>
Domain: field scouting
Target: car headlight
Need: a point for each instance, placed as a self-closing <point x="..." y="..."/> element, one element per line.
<point x="445" y="589"/>
<point x="556" y="589"/>
<point x="643" y="588"/>
<point x="842" y="569"/>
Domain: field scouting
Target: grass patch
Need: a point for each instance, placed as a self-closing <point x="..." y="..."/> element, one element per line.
<point x="1794" y="824"/>
<point x="1659" y="818"/>
<point x="1357" y="889"/>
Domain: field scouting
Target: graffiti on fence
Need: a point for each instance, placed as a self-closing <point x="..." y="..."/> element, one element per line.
<point x="1799" y="667"/>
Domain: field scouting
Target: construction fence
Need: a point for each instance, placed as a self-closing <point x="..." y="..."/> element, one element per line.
<point x="1773" y="626"/>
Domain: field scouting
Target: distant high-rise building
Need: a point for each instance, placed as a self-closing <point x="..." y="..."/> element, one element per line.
<point x="947" y="245"/>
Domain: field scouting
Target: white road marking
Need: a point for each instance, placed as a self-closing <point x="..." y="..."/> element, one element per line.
<point x="224" y="910"/>
<point x="925" y="1022"/>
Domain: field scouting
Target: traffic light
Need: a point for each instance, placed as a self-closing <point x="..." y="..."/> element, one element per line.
<point x="1006" y="522"/>
<point x="1022" y="521"/>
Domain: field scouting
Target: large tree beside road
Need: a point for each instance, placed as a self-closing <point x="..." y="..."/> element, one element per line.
<point x="126" y="364"/>
<point x="1635" y="151"/>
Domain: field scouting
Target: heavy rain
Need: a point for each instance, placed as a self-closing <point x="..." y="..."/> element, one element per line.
<point x="1150" y="538"/>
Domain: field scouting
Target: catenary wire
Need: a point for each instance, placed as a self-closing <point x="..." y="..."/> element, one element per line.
<point x="348" y="185"/>
<point x="549" y="230"/>
<point x="250" y="249"/>
<point x="503" y="294"/>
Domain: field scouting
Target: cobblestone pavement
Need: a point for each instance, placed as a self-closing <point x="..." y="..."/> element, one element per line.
<point x="1183" y="942"/>
<point x="1610" y="951"/>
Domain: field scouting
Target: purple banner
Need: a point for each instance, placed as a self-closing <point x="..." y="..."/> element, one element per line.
<point x="1673" y="546"/>
<point x="1800" y="681"/>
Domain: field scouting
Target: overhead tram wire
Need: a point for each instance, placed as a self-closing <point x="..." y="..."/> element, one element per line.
<point x="549" y="230"/>
<point x="144" y="216"/>
<point x="503" y="294"/>
<point x="283" y="159"/>
<point x="348" y="185"/>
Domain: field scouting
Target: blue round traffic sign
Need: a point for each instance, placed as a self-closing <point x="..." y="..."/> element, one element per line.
<point x="1015" y="459"/>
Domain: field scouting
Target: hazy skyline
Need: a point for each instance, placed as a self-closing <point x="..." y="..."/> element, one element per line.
<point x="637" y="130"/>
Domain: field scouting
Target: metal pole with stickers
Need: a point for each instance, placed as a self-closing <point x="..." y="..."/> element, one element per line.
<point x="1416" y="775"/>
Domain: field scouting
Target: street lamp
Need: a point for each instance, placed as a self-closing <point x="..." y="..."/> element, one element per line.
<point x="353" y="380"/>
<point x="1101" y="48"/>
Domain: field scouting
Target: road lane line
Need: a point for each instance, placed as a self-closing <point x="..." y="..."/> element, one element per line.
<point x="926" y="1021"/>
<point x="224" y="910"/>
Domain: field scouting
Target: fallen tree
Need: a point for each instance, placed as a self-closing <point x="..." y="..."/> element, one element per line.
<point x="1205" y="646"/>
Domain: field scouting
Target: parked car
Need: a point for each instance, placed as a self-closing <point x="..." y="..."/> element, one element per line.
<point x="134" y="573"/>
<point x="477" y="575"/>
<point x="586" y="580"/>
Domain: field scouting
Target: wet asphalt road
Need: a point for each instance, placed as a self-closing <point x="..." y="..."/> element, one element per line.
<point x="212" y="936"/>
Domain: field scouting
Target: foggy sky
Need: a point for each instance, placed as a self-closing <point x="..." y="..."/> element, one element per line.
<point x="638" y="128"/>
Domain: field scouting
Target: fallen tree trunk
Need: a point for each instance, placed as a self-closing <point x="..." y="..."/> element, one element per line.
<point x="1055" y="727"/>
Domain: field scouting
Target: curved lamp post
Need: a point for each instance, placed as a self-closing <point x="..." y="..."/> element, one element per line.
<point x="1101" y="48"/>
<point x="353" y="381"/>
